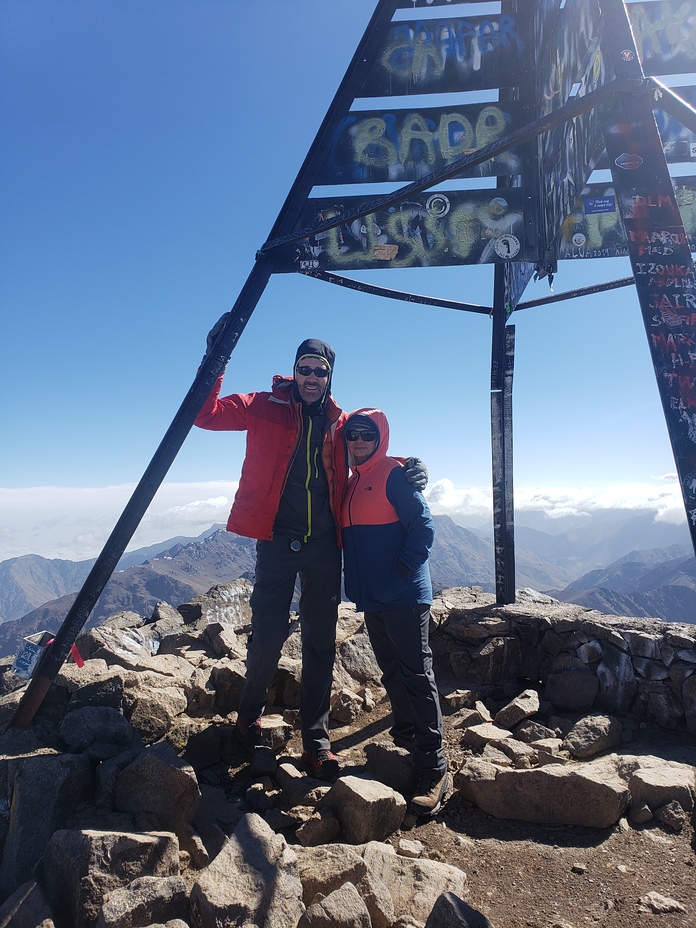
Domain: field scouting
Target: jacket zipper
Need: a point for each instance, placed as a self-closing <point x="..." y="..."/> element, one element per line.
<point x="309" y="474"/>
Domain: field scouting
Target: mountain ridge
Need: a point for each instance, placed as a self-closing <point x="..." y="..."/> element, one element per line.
<point x="656" y="582"/>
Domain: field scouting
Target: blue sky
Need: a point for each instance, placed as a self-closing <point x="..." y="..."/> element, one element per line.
<point x="148" y="146"/>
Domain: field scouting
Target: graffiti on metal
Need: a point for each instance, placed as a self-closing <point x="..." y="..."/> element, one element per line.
<point x="434" y="230"/>
<point x="404" y="145"/>
<point x="516" y="277"/>
<point x="678" y="142"/>
<point x="442" y="55"/>
<point x="594" y="230"/>
<point x="567" y="154"/>
<point x="665" y="34"/>
<point x="546" y="22"/>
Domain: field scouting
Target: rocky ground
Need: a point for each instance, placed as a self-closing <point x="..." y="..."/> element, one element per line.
<point x="519" y="874"/>
<point x="524" y="875"/>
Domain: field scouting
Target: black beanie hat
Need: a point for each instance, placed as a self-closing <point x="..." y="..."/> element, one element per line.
<point x="361" y="422"/>
<point x="318" y="349"/>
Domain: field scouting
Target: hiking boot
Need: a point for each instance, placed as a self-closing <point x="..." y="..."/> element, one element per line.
<point x="432" y="790"/>
<point x="248" y="735"/>
<point x="408" y="742"/>
<point x="323" y="764"/>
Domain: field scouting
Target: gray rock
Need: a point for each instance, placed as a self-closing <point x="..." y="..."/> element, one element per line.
<point x="521" y="707"/>
<point x="358" y="658"/>
<point x="124" y="647"/>
<point x="226" y="603"/>
<point x="367" y="809"/>
<point x="158" y="782"/>
<point x="643" y="645"/>
<point x="378" y="900"/>
<point x="414" y="885"/>
<point x="530" y="731"/>
<point x="266" y="890"/>
<point x="450" y="911"/>
<point x="480" y="735"/>
<point x="593" y="734"/>
<point x="343" y="908"/>
<point x="101" y="730"/>
<point x="650" y="669"/>
<point x="495" y="660"/>
<point x="43" y="792"/>
<point x="672" y="815"/>
<point x="143" y="902"/>
<point x="285" y="686"/>
<point x="346" y="706"/>
<point x="107" y="773"/>
<point x="101" y="686"/>
<point x="589" y="794"/>
<point x="570" y="684"/>
<point x="617" y="683"/>
<point x="321" y="828"/>
<point x="82" y="867"/>
<point x="227" y="680"/>
<point x="27" y="907"/>
<point x="223" y="640"/>
<point x="640" y="813"/>
<point x="659" y="905"/>
<point x="153" y="700"/>
<point x="519" y="753"/>
<point x="408" y="848"/>
<point x="665" y="709"/>
<point x="324" y="869"/>
<point x="391" y="765"/>
<point x="689" y="700"/>
<point x="216" y="808"/>
<point x="165" y="611"/>
<point x="663" y="781"/>
<point x="297" y="787"/>
<point x="466" y="717"/>
<point x="200" y="693"/>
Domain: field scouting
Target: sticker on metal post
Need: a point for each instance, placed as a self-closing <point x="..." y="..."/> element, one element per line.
<point x="628" y="162"/>
<point x="506" y="246"/>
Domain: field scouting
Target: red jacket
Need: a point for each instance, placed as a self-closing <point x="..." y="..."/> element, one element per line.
<point x="273" y="423"/>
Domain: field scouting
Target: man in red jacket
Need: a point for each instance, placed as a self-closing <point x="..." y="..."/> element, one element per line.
<point x="289" y="499"/>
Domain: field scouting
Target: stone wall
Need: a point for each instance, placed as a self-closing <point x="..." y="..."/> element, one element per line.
<point x="581" y="660"/>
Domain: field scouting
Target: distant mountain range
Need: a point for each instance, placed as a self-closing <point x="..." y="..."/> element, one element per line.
<point x="658" y="580"/>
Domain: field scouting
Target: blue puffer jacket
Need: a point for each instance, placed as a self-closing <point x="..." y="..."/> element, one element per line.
<point x="387" y="531"/>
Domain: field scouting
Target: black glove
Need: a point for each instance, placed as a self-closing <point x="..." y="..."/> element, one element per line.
<point x="215" y="331"/>
<point x="416" y="473"/>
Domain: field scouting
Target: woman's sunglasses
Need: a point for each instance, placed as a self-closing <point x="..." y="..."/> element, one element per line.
<point x="360" y="435"/>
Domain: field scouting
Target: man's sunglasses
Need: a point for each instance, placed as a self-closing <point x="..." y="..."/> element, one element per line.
<point x="360" y="435"/>
<point x="317" y="371"/>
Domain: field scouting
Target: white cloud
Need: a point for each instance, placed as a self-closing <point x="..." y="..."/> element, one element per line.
<point x="663" y="497"/>
<point x="75" y="522"/>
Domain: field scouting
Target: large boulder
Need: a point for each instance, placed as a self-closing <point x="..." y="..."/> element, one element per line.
<point x="590" y="794"/>
<point x="43" y="793"/>
<point x="415" y="885"/>
<point x="266" y="890"/>
<point x="82" y="867"/>
<point x="160" y="783"/>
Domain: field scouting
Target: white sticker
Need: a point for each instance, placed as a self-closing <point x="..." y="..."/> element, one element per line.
<point x="506" y="246"/>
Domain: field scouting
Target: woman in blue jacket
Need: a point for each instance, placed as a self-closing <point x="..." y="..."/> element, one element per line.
<point x="387" y="535"/>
